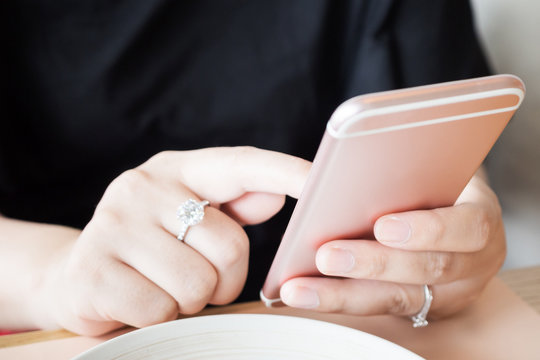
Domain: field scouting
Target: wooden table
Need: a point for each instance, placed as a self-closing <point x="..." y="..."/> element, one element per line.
<point x="526" y="283"/>
<point x="523" y="282"/>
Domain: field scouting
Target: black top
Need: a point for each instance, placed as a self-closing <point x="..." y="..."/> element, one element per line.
<point x="92" y="88"/>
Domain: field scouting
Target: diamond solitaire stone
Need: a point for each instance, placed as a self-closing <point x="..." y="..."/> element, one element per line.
<point x="190" y="213"/>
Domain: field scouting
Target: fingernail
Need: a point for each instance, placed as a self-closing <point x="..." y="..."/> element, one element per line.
<point x="335" y="261"/>
<point x="392" y="229"/>
<point x="300" y="297"/>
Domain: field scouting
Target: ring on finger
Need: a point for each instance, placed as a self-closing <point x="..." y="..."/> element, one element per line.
<point x="419" y="320"/>
<point x="190" y="213"/>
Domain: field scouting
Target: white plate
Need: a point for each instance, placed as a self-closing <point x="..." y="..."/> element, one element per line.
<point x="247" y="336"/>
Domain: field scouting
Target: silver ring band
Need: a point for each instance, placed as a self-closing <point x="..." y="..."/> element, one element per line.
<point x="190" y="212"/>
<point x="419" y="320"/>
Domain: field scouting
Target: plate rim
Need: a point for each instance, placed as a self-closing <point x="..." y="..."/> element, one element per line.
<point x="118" y="341"/>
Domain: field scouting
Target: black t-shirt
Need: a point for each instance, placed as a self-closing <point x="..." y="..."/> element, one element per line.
<point x="92" y="88"/>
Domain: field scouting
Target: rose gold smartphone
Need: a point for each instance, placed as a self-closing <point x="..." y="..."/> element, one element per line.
<point x="389" y="152"/>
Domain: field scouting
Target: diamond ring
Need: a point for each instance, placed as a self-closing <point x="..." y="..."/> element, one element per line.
<point x="190" y="212"/>
<point x="419" y="320"/>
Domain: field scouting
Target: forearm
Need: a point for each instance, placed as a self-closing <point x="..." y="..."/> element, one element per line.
<point x="28" y="253"/>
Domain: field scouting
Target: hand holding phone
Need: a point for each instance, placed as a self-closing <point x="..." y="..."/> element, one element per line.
<point x="391" y="152"/>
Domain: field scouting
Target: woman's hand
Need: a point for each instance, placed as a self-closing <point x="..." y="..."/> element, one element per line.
<point x="456" y="250"/>
<point x="128" y="267"/>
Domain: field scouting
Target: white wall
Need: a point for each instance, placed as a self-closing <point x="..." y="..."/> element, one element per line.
<point x="510" y="30"/>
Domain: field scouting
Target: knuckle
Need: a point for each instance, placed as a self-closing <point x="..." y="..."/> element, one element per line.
<point x="376" y="266"/>
<point x="161" y="158"/>
<point x="400" y="302"/>
<point x="339" y="304"/>
<point x="164" y="309"/>
<point x="192" y="307"/>
<point x="484" y="225"/>
<point x="437" y="226"/>
<point x="168" y="311"/>
<point x="130" y="182"/>
<point x="107" y="218"/>
<point x="244" y="150"/>
<point x="197" y="292"/>
<point x="239" y="153"/>
<point x="438" y="266"/>
<point x="237" y="249"/>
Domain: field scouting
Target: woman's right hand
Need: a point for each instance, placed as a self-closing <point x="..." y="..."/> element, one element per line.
<point x="128" y="267"/>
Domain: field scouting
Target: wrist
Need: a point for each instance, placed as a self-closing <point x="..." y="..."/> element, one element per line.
<point x="45" y="308"/>
<point x="30" y="255"/>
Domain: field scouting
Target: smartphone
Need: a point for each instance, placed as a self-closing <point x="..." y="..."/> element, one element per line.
<point x="387" y="152"/>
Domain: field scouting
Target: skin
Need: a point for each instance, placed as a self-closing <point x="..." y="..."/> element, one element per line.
<point x="456" y="250"/>
<point x="127" y="259"/>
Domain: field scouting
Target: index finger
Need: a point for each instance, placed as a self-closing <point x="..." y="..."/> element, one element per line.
<point x="226" y="173"/>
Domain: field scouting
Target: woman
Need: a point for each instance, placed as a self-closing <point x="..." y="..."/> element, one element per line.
<point x="97" y="91"/>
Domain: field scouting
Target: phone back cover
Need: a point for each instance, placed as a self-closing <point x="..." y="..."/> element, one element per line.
<point x="374" y="173"/>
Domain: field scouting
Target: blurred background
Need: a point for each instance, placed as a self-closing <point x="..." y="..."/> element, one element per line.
<point x="510" y="31"/>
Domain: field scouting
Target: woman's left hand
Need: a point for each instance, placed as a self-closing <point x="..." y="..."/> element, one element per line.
<point x="456" y="250"/>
